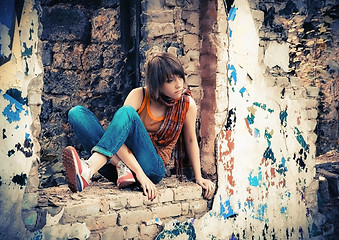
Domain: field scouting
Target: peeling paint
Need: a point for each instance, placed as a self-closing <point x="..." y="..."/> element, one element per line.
<point x="20" y="179"/>
<point x="15" y="107"/>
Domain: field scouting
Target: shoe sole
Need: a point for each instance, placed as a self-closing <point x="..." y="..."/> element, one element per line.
<point x="69" y="158"/>
<point x="125" y="183"/>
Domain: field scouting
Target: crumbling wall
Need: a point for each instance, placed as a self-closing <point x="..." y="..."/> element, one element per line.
<point x="20" y="102"/>
<point x="86" y="62"/>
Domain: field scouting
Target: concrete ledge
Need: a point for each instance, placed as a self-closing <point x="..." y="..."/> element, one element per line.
<point x="107" y="211"/>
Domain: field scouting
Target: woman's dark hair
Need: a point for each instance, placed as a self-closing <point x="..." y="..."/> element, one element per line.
<point x="160" y="68"/>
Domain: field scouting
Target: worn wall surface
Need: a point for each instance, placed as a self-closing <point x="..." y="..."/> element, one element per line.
<point x="266" y="148"/>
<point x="20" y="92"/>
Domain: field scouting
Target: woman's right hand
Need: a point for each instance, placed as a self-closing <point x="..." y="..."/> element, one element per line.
<point x="147" y="185"/>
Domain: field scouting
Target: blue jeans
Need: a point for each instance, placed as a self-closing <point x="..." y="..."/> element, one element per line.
<point x="126" y="127"/>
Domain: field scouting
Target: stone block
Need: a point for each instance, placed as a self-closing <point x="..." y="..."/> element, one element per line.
<point x="199" y="206"/>
<point x="191" y="42"/>
<point x="312" y="91"/>
<point x="102" y="221"/>
<point x="148" y="232"/>
<point x="131" y="231"/>
<point x="113" y="233"/>
<point x="67" y="55"/>
<point x="92" y="57"/>
<point x="135" y="199"/>
<point x="323" y="190"/>
<point x="62" y="23"/>
<point x="187" y="192"/>
<point x="165" y="195"/>
<point x="73" y="212"/>
<point x="30" y="200"/>
<point x="277" y="54"/>
<point x="127" y="217"/>
<point x="193" y="80"/>
<point x="157" y="30"/>
<point x="104" y="26"/>
<point x="184" y="208"/>
<point x="117" y="202"/>
<point x="165" y="16"/>
<point x="165" y="211"/>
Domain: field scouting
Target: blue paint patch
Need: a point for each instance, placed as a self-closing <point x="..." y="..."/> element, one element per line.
<point x="282" y="169"/>
<point x="233" y="72"/>
<point x="263" y="106"/>
<point x="27" y="137"/>
<point x="268" y="137"/>
<point x="242" y="90"/>
<point x="255" y="181"/>
<point x="256" y="132"/>
<point x="231" y="32"/>
<point x="283" y="210"/>
<point x="301" y="139"/>
<point x="226" y="210"/>
<point x="283" y="118"/>
<point x="15" y="107"/>
<point x="12" y="110"/>
<point x="232" y="13"/>
<point x="262" y="208"/>
<point x="27" y="51"/>
<point x="250" y="119"/>
<point x="269" y="154"/>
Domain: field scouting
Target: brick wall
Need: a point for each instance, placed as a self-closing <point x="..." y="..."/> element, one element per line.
<point x="107" y="211"/>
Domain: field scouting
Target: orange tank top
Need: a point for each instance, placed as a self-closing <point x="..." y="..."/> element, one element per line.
<point x="152" y="125"/>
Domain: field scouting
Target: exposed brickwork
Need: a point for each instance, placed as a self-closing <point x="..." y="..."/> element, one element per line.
<point x="127" y="214"/>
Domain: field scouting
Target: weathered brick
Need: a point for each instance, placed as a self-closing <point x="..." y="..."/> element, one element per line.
<point x="184" y="208"/>
<point x="148" y="232"/>
<point x="117" y="202"/>
<point x="156" y="29"/>
<point x="187" y="192"/>
<point x="193" y="80"/>
<point x="191" y="41"/>
<point x="101" y="222"/>
<point x="127" y="217"/>
<point x="67" y="55"/>
<point x="165" y="16"/>
<point x="135" y="199"/>
<point x="104" y="26"/>
<point x="113" y="233"/>
<point x="91" y="207"/>
<point x="165" y="195"/>
<point x="312" y="91"/>
<point x="131" y="231"/>
<point x="165" y="211"/>
<point x="198" y="206"/>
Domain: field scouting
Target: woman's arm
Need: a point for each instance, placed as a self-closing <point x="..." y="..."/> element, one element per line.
<point x="193" y="150"/>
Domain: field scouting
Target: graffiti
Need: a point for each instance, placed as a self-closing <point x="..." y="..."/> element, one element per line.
<point x="176" y="229"/>
<point x="20" y="179"/>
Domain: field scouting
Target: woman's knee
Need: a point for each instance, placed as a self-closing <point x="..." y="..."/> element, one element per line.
<point x="126" y="111"/>
<point x="76" y="112"/>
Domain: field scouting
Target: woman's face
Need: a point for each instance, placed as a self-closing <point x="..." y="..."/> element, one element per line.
<point x="173" y="87"/>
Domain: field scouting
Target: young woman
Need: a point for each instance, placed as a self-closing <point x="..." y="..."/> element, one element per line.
<point x="142" y="134"/>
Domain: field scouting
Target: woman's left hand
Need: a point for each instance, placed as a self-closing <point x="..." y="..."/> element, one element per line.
<point x="208" y="186"/>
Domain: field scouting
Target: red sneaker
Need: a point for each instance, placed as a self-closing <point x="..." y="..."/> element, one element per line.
<point x="125" y="176"/>
<point x="77" y="171"/>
